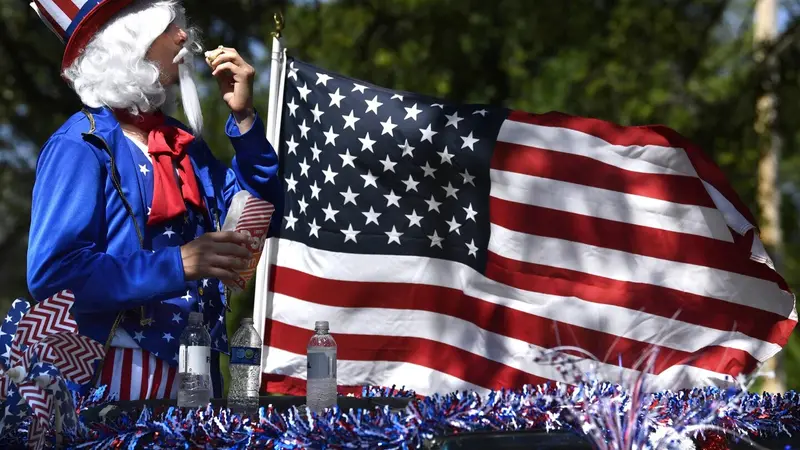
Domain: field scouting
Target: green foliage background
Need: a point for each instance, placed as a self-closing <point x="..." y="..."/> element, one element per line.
<point x="687" y="64"/>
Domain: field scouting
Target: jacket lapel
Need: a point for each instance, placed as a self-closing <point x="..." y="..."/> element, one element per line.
<point x="107" y="127"/>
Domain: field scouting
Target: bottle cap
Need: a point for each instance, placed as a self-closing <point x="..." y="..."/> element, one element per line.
<point x="195" y="318"/>
<point x="321" y="325"/>
<point x="247" y="321"/>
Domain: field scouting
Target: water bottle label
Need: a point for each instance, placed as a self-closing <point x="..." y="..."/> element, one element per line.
<point x="321" y="365"/>
<point x="247" y="356"/>
<point x="194" y="359"/>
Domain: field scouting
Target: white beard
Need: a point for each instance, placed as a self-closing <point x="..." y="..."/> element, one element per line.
<point x="190" y="98"/>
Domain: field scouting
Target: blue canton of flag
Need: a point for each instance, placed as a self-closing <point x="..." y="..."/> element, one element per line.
<point x="370" y="170"/>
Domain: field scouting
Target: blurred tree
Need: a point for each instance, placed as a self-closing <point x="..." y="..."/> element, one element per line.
<point x="684" y="63"/>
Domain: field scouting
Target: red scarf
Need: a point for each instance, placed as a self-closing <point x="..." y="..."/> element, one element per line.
<point x="167" y="146"/>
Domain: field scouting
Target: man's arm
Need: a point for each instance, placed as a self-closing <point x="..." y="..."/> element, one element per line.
<point x="66" y="249"/>
<point x="255" y="165"/>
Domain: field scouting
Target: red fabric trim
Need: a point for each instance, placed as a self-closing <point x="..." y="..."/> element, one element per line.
<point x="88" y="27"/>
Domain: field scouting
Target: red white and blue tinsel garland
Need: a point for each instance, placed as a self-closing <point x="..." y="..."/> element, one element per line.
<point x="608" y="415"/>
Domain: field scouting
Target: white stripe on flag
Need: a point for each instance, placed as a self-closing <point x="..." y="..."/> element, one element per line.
<point x="116" y="377"/>
<point x="607" y="204"/>
<point x="137" y="374"/>
<point x="377" y="373"/>
<point x="611" y="319"/>
<point x="623" y="266"/>
<point x="56" y="13"/>
<point x="79" y="3"/>
<point x="645" y="159"/>
<point x="426" y="325"/>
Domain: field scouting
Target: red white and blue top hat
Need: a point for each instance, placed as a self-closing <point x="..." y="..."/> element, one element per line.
<point x="75" y="22"/>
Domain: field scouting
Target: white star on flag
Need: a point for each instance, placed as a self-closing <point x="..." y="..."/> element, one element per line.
<point x="350" y="234"/>
<point x="412" y="113"/>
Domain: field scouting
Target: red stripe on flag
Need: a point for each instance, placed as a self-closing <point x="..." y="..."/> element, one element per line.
<point x="656" y="300"/>
<point x="286" y="385"/>
<point x="157" y="374"/>
<point x="642" y="135"/>
<point x="586" y="171"/>
<point x="67" y="7"/>
<point x="637" y="239"/>
<point x="171" y="373"/>
<point x="126" y="375"/>
<point x="536" y="330"/>
<point x="107" y="377"/>
<point x="145" y="383"/>
<point x="423" y="352"/>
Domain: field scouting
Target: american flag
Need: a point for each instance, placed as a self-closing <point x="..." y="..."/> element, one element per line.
<point x="450" y="245"/>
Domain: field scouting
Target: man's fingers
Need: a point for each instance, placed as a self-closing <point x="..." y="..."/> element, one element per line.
<point x="211" y="54"/>
<point x="228" y="262"/>
<point x="228" y="249"/>
<point x="233" y="68"/>
<point x="225" y="57"/>
<point x="229" y="236"/>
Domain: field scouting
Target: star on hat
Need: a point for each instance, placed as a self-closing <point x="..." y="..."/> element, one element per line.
<point x="75" y="22"/>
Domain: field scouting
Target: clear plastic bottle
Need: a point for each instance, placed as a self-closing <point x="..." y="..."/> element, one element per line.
<point x="321" y="369"/>
<point x="245" y="367"/>
<point x="194" y="364"/>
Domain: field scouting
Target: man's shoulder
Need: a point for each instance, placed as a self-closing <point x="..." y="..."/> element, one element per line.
<point x="68" y="140"/>
<point x="76" y="125"/>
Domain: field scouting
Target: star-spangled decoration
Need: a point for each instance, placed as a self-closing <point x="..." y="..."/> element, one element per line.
<point x="303" y="205"/>
<point x="316" y="151"/>
<point x="384" y="172"/>
<point x="304" y="91"/>
<point x="168" y="232"/>
<point x="317" y="113"/>
<point x="350" y="120"/>
<point x="304" y="168"/>
<point x="412" y="112"/>
<point x="348" y="159"/>
<point x="290" y="220"/>
<point x="160" y="335"/>
<point x="336" y="99"/>
<point x="303" y="130"/>
<point x="349" y="196"/>
<point x="292" y="107"/>
<point x="322" y="79"/>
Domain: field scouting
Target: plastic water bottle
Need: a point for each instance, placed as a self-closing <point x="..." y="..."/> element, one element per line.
<point x="245" y="367"/>
<point x="321" y="369"/>
<point x="194" y="364"/>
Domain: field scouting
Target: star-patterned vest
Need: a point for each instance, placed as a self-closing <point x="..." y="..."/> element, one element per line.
<point x="167" y="319"/>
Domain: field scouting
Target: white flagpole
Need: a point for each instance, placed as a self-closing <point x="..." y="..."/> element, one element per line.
<point x="262" y="303"/>
<point x="276" y="69"/>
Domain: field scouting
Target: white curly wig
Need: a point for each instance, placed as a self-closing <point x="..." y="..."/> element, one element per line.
<point x="113" y="71"/>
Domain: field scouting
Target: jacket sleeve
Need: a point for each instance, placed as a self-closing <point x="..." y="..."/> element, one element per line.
<point x="254" y="167"/>
<point x="66" y="249"/>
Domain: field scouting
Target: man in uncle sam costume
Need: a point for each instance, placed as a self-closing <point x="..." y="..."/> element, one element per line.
<point x="128" y="202"/>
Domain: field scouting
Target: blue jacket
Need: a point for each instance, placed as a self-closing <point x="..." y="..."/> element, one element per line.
<point x="82" y="237"/>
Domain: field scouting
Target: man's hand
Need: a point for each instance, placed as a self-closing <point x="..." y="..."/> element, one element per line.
<point x="235" y="78"/>
<point x="216" y="255"/>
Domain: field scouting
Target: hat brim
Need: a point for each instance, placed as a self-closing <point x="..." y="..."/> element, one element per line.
<point x="88" y="27"/>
